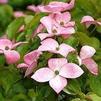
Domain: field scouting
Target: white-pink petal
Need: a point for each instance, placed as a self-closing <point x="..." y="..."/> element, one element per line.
<point x="58" y="83"/>
<point x="64" y="49"/>
<point x="63" y="17"/>
<point x="71" y="70"/>
<point x="48" y="45"/>
<point x="31" y="57"/>
<point x="5" y="43"/>
<point x="43" y="75"/>
<point x="11" y="56"/>
<point x="91" y="65"/>
<point x="87" y="52"/>
<point x="19" y="14"/>
<point x="47" y="21"/>
<point x="22" y="65"/>
<point x="88" y="20"/>
<point x="66" y="31"/>
<point x="56" y="63"/>
<point x="17" y="44"/>
<point x="43" y="36"/>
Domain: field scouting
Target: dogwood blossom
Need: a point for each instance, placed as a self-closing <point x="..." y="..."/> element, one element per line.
<point x="19" y="14"/>
<point x="7" y="48"/>
<point x="64" y="19"/>
<point x="54" y="28"/>
<point x="56" y="73"/>
<point x="30" y="62"/>
<point x="52" y="45"/>
<point x="88" y="20"/>
<point x="86" y="54"/>
<point x="53" y="7"/>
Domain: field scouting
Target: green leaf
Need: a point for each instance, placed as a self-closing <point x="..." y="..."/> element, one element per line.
<point x="14" y="27"/>
<point x="95" y="84"/>
<point x="84" y="39"/>
<point x="78" y="99"/>
<point x="20" y="97"/>
<point x="72" y="41"/>
<point x="1" y="97"/>
<point x="6" y="14"/>
<point x="94" y="97"/>
<point x="11" y="77"/>
<point x="72" y="58"/>
<point x="73" y="87"/>
<point x="33" y="24"/>
<point x="28" y="19"/>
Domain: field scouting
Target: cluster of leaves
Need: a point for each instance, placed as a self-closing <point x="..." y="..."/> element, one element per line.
<point x="13" y="87"/>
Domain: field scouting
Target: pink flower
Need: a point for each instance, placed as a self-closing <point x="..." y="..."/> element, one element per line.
<point x="54" y="28"/>
<point x="56" y="73"/>
<point x="86" y="54"/>
<point x="88" y="20"/>
<point x="3" y="1"/>
<point x="6" y="47"/>
<point x="64" y="19"/>
<point x="30" y="62"/>
<point x="53" y="7"/>
<point x="19" y="14"/>
<point x="52" y="45"/>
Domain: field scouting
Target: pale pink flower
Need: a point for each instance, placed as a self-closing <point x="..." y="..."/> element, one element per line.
<point x="54" y="28"/>
<point x="52" y="46"/>
<point x="56" y="73"/>
<point x="53" y="7"/>
<point x="7" y="48"/>
<point x="64" y="19"/>
<point x="88" y="20"/>
<point x="86" y="54"/>
<point x="3" y="1"/>
<point x="19" y="14"/>
<point x="30" y="62"/>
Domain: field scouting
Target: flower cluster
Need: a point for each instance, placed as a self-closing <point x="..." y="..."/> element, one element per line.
<point x="57" y="23"/>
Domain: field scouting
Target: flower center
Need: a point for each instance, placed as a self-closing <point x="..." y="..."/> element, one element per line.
<point x="56" y="72"/>
<point x="6" y="48"/>
<point x="54" y="31"/>
<point x="57" y="48"/>
<point x="61" y="23"/>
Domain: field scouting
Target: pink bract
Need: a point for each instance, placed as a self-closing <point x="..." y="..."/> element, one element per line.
<point x="7" y="47"/>
<point x="53" y="26"/>
<point x="56" y="73"/>
<point x="52" y="46"/>
<point x="88" y="20"/>
<point x="30" y="62"/>
<point x="53" y="7"/>
<point x="19" y="14"/>
<point x="86" y="54"/>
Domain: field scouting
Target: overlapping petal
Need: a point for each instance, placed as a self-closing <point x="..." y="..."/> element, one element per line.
<point x="56" y="63"/>
<point x="71" y="70"/>
<point x="63" y="18"/>
<point x="43" y="75"/>
<point x="64" y="49"/>
<point x="58" y="83"/>
<point x="11" y="56"/>
<point x="32" y="56"/>
<point x="5" y="43"/>
<point x="48" y="45"/>
<point x="91" y="65"/>
<point x="88" y="20"/>
<point x="87" y="52"/>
